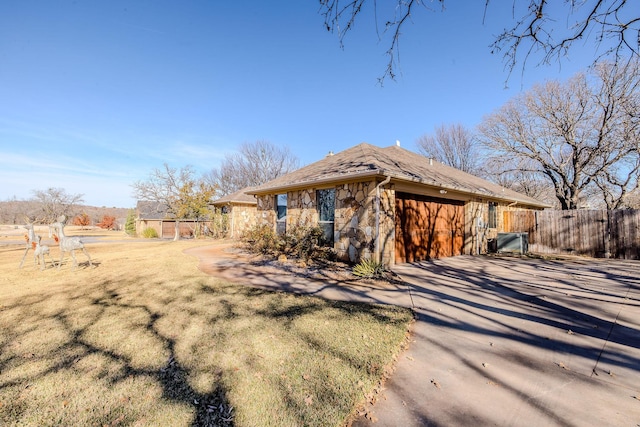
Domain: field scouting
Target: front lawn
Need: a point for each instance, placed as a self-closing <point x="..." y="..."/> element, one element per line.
<point x="145" y="338"/>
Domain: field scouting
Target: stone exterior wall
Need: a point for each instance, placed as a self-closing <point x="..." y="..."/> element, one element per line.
<point x="355" y="218"/>
<point x="241" y="219"/>
<point x="302" y="208"/>
<point x="355" y="221"/>
<point x="476" y="238"/>
<point x="266" y="209"/>
<point x="387" y="221"/>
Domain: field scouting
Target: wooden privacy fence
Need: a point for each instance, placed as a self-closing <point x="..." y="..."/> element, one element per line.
<point x="594" y="233"/>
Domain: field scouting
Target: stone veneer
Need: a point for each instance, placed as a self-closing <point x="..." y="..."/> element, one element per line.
<point x="355" y="222"/>
<point x="476" y="238"/>
<point x="241" y="219"/>
<point x="355" y="218"/>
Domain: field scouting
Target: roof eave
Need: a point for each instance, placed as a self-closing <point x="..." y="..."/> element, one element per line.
<point x="342" y="178"/>
<point x="464" y="190"/>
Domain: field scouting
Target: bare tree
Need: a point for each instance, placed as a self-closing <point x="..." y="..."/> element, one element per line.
<point x="517" y="175"/>
<point x="52" y="203"/>
<point x="580" y="135"/>
<point x="454" y="145"/>
<point x="254" y="164"/>
<point x="613" y="25"/>
<point x="13" y="211"/>
<point x="179" y="191"/>
<point x="632" y="200"/>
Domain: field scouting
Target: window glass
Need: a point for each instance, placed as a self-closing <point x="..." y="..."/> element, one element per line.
<point x="281" y="206"/>
<point x="493" y="215"/>
<point x="326" y="200"/>
<point x="326" y="204"/>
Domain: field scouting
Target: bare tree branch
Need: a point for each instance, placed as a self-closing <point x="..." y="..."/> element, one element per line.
<point x="549" y="29"/>
<point x="613" y="24"/>
<point x="52" y="203"/>
<point x="184" y="196"/>
<point x="454" y="145"/>
<point x="255" y="164"/>
<point x="583" y="135"/>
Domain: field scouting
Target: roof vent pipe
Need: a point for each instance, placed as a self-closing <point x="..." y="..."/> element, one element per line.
<point x="430" y="161"/>
<point x="330" y="154"/>
<point x="398" y="142"/>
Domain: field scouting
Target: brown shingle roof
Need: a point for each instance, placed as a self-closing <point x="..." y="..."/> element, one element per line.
<point x="365" y="160"/>
<point x="152" y="210"/>
<point x="239" y="197"/>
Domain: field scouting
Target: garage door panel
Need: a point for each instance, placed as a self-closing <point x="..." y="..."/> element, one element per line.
<point x="428" y="228"/>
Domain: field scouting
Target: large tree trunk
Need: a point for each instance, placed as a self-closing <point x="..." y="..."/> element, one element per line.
<point x="176" y="236"/>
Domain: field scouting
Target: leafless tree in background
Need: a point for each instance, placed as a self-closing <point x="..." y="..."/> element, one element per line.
<point x="518" y="175"/>
<point x="254" y="164"/>
<point x="583" y="135"/>
<point x="13" y="211"/>
<point x="612" y="26"/>
<point x="454" y="145"/>
<point x="632" y="200"/>
<point x="179" y="190"/>
<point x="53" y="202"/>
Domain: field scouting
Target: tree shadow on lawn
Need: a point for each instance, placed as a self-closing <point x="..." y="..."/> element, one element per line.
<point x="127" y="350"/>
<point x="69" y="345"/>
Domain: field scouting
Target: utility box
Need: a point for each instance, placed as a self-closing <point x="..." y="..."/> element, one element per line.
<point x="513" y="243"/>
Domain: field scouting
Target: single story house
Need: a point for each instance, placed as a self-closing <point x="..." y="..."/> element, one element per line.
<point x="389" y="204"/>
<point x="241" y="209"/>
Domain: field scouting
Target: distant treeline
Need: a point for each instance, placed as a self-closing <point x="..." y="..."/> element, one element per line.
<point x="15" y="212"/>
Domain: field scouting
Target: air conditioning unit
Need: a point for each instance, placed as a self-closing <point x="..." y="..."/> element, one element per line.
<point x="513" y="243"/>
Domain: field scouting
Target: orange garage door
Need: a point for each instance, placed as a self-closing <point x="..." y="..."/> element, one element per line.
<point x="428" y="227"/>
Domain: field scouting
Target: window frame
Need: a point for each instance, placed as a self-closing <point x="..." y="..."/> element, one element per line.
<point x="327" y="225"/>
<point x="492" y="215"/>
<point x="281" y="215"/>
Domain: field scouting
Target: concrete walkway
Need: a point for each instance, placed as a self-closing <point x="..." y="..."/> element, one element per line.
<point x="498" y="341"/>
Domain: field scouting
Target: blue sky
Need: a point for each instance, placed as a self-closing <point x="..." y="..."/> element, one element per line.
<point x="95" y="95"/>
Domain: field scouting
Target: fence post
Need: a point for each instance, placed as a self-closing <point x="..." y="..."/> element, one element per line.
<point x="607" y="235"/>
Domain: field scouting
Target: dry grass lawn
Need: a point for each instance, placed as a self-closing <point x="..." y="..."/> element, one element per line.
<point x="144" y="338"/>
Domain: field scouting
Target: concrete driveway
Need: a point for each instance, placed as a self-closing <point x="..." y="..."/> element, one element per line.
<point x="497" y="341"/>
<point x="508" y="341"/>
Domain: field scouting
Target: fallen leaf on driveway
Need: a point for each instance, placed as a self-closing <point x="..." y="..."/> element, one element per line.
<point x="410" y="358"/>
<point x="435" y="383"/>
<point x="562" y="365"/>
